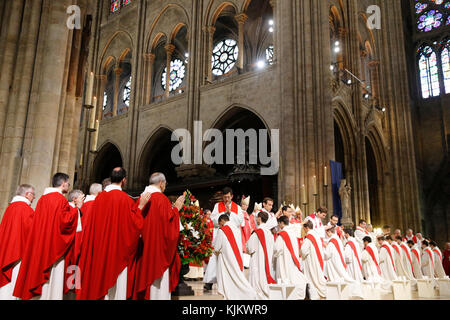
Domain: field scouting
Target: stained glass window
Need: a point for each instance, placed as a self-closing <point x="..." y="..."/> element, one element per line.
<point x="430" y="20"/>
<point x="177" y="74"/>
<point x="115" y="5"/>
<point x="126" y="2"/>
<point x="445" y="58"/>
<point x="429" y="73"/>
<point x="224" y="57"/>
<point x="269" y="55"/>
<point x="127" y="93"/>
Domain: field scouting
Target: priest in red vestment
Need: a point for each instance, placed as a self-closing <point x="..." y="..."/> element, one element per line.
<point x="14" y="230"/>
<point x="158" y="264"/>
<point x="110" y="241"/>
<point x="52" y="233"/>
<point x="246" y="230"/>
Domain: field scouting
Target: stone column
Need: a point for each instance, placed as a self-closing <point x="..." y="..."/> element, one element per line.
<point x="241" y="18"/>
<point x="169" y="51"/>
<point x="7" y="59"/>
<point x="117" y="71"/>
<point x="210" y="38"/>
<point x="149" y="59"/>
<point x="101" y="80"/>
<point x="374" y="79"/>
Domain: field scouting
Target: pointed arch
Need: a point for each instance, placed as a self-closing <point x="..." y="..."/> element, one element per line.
<point x="108" y="45"/>
<point x="108" y="157"/>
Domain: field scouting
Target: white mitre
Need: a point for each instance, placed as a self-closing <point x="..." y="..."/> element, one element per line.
<point x="258" y="207"/>
<point x="246" y="201"/>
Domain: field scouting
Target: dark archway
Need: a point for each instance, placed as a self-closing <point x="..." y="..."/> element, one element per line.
<point x="339" y="149"/>
<point x="372" y="179"/>
<point x="156" y="157"/>
<point x="107" y="159"/>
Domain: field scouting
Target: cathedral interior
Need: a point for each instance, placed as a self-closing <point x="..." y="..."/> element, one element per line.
<point x="87" y="86"/>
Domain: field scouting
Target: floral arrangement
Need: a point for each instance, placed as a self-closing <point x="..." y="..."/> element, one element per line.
<point x="195" y="244"/>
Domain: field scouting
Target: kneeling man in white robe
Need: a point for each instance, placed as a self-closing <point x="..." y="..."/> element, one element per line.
<point x="387" y="263"/>
<point x="231" y="281"/>
<point x="427" y="260"/>
<point x="260" y="248"/>
<point x="312" y="256"/>
<point x="286" y="253"/>
<point x="352" y="253"/>
<point x="405" y="265"/>
<point x="439" y="271"/>
<point x="370" y="261"/>
<point x="416" y="259"/>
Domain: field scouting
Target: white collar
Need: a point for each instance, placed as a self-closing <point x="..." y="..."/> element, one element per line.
<point x="72" y="204"/>
<point x="21" y="199"/>
<point x="152" y="189"/>
<point x="89" y="198"/>
<point x="52" y="190"/>
<point x="112" y="187"/>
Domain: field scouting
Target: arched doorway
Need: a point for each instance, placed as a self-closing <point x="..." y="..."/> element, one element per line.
<point x="372" y="180"/>
<point x="107" y="159"/>
<point x="156" y="157"/>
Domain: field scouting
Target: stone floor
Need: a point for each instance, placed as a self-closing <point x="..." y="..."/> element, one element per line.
<point x="200" y="294"/>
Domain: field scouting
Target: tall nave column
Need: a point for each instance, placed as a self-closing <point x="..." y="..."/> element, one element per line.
<point x="149" y="59"/>
<point x="170" y="48"/>
<point x="118" y="72"/>
<point x="241" y="18"/>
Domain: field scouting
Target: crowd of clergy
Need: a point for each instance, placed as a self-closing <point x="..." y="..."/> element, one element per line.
<point x="109" y="246"/>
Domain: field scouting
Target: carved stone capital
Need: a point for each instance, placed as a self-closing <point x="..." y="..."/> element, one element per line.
<point x="170" y="48"/>
<point x="241" y="18"/>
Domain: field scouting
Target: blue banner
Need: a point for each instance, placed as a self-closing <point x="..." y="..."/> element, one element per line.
<point x="336" y="177"/>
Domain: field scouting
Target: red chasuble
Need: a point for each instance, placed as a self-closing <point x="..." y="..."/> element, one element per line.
<point x="110" y="240"/>
<point x="287" y="241"/>
<point x="245" y="231"/>
<point x="262" y="240"/>
<point x="159" y="252"/>
<point x="14" y="231"/>
<point x="52" y="233"/>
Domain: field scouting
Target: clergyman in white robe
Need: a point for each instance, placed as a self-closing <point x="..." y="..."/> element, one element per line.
<point x="439" y="271"/>
<point x="231" y="281"/>
<point x="313" y="269"/>
<point x="257" y="270"/>
<point x="405" y="265"/>
<point x="428" y="263"/>
<point x="285" y="267"/>
<point x="370" y="263"/>
<point x="387" y="263"/>
<point x="238" y="221"/>
<point x="353" y="259"/>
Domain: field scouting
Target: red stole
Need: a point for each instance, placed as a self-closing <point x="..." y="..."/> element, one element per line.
<point x="336" y="244"/>
<point x="408" y="255"/>
<point x="352" y="245"/>
<point x="416" y="253"/>
<point x="234" y="207"/>
<point x="396" y="248"/>
<point x="431" y="256"/>
<point x="316" y="246"/>
<point x="231" y="239"/>
<point x="372" y="254"/>
<point x="314" y="218"/>
<point x="390" y="254"/>
<point x="437" y="251"/>
<point x="262" y="239"/>
<point x="287" y="241"/>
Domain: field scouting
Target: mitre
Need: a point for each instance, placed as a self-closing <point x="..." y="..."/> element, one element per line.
<point x="258" y="206"/>
<point x="246" y="201"/>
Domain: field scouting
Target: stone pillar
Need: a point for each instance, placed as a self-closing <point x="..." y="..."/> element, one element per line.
<point x="7" y="59"/>
<point x="117" y="71"/>
<point x="241" y="18"/>
<point x="374" y="79"/>
<point x="101" y="80"/>
<point x="149" y="59"/>
<point x="169" y="51"/>
<point x="210" y="38"/>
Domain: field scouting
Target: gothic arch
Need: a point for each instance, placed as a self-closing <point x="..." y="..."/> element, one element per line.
<point x="106" y="50"/>
<point x="108" y="157"/>
<point x="234" y="108"/>
<point x="213" y="13"/>
<point x="181" y="18"/>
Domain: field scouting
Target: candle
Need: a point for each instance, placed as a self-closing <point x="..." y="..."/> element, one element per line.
<point x="304" y="199"/>
<point x="93" y="117"/>
<point x="89" y="88"/>
<point x="325" y="176"/>
<point x="94" y="143"/>
<point x="315" y="185"/>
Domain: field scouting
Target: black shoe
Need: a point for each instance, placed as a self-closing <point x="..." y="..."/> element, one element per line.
<point x="208" y="286"/>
